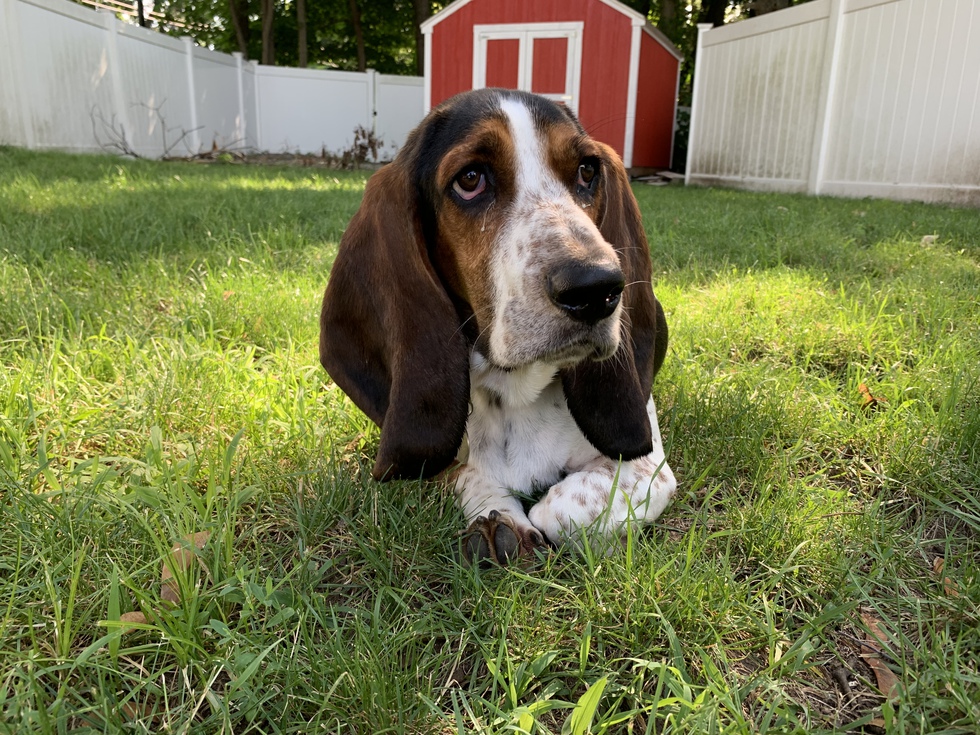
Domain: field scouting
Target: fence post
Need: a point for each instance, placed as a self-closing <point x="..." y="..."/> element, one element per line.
<point x="240" y="126"/>
<point x="828" y="92"/>
<point x="195" y="137"/>
<point x="10" y="36"/>
<point x="703" y="28"/>
<point x="120" y="112"/>
<point x="256" y="80"/>
<point x="427" y="70"/>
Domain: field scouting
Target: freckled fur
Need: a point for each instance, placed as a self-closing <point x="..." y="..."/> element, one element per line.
<point x="547" y="227"/>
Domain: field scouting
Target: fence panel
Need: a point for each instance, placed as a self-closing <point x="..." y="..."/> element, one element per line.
<point x="757" y="100"/>
<point x="399" y="107"/>
<point x="67" y="69"/>
<point x="307" y="110"/>
<point x="75" y="79"/>
<point x="154" y="104"/>
<point x="14" y="123"/>
<point x="216" y="100"/>
<point x="844" y="97"/>
<point x="905" y="117"/>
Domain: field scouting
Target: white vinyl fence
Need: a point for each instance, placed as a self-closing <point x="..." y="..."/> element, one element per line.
<point x="843" y="97"/>
<point x="75" y="79"/>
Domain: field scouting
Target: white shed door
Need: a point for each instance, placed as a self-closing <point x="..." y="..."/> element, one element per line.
<point x="544" y="58"/>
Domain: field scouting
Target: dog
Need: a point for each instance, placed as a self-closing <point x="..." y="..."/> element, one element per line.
<point x="490" y="309"/>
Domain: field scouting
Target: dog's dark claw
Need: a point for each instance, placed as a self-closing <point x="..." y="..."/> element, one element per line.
<point x="505" y="542"/>
<point x="494" y="540"/>
<point x="475" y="546"/>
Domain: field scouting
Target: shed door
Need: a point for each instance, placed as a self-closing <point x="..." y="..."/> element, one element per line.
<point x="544" y="58"/>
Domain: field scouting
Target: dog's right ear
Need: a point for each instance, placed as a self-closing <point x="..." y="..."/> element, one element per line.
<point x="623" y="380"/>
<point x="390" y="336"/>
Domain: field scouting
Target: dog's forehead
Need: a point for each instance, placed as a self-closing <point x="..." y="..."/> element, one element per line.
<point x="529" y="141"/>
<point x="462" y="113"/>
<point x="527" y="120"/>
<point x="548" y="142"/>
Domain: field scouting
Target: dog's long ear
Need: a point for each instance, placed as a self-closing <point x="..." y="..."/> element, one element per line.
<point x="608" y="398"/>
<point x="389" y="335"/>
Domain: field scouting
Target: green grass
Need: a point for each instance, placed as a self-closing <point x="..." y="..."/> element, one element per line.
<point x="158" y="377"/>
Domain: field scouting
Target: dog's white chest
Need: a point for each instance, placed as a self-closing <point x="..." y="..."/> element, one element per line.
<point x="519" y="429"/>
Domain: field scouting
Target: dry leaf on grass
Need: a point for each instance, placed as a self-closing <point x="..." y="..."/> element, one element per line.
<point x="869" y="401"/>
<point x="874" y="643"/>
<point x="949" y="586"/>
<point x="132" y="711"/>
<point x="132" y="617"/>
<point x="183" y="554"/>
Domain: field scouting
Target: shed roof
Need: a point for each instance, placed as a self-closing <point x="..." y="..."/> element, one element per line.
<point x="637" y="19"/>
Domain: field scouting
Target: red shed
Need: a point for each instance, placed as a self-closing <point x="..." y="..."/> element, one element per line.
<point x="616" y="71"/>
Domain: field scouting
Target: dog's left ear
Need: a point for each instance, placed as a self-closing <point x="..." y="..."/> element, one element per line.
<point x="608" y="398"/>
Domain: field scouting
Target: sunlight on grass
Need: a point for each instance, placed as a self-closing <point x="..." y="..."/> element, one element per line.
<point x="159" y="378"/>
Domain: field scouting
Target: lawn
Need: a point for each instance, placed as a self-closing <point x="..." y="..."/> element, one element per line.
<point x="159" y="386"/>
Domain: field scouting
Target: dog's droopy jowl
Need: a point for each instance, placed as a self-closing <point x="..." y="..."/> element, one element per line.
<point x="491" y="310"/>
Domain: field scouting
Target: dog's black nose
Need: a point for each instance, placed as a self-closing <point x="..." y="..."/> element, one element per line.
<point x="586" y="292"/>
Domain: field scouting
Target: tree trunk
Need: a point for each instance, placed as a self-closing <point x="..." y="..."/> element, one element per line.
<point x="301" y="28"/>
<point x="355" y="17"/>
<point x="268" y="43"/>
<point x="761" y="7"/>
<point x="239" y="20"/>
<point x="670" y="21"/>
<point x="713" y="11"/>
<point x="140" y="14"/>
<point x="423" y="10"/>
<point x="641" y="6"/>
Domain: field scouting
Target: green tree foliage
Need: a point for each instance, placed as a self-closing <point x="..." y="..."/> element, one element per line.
<point x="390" y="28"/>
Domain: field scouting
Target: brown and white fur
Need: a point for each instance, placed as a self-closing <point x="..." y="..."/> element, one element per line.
<point x="491" y="306"/>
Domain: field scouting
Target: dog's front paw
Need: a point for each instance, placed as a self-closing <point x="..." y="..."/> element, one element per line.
<point x="496" y="538"/>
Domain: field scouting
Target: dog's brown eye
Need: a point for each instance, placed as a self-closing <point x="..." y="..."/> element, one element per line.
<point x="586" y="174"/>
<point x="470" y="183"/>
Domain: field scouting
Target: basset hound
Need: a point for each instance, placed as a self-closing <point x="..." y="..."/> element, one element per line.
<point x="490" y="308"/>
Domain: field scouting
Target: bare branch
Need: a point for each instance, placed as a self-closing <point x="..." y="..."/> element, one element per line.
<point x="110" y="134"/>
